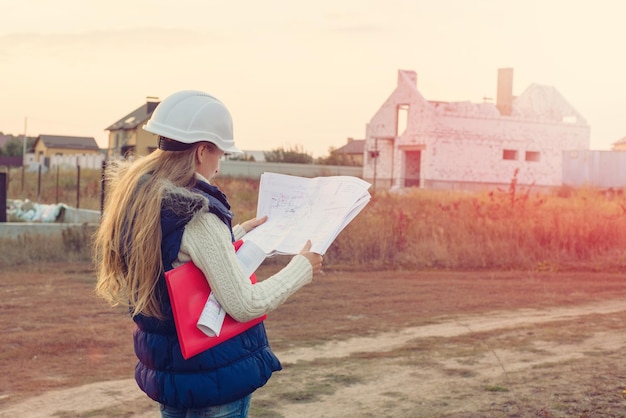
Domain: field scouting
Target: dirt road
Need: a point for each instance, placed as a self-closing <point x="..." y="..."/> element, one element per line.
<point x="531" y="362"/>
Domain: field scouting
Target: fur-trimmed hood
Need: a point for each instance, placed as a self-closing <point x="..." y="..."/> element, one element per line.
<point x="184" y="203"/>
<point x="180" y="205"/>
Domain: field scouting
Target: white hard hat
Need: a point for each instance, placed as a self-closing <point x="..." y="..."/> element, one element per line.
<point x="191" y="116"/>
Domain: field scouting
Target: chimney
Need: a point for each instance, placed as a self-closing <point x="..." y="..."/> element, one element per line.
<point x="504" y="98"/>
<point x="151" y="104"/>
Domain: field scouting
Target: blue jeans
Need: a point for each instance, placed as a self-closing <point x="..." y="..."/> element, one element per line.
<point x="237" y="409"/>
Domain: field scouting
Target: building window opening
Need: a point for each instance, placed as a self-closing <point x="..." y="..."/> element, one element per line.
<point x="403" y="119"/>
<point x="509" y="154"/>
<point x="532" y="155"/>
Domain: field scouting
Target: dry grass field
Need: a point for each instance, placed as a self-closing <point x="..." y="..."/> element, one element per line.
<point x="353" y="344"/>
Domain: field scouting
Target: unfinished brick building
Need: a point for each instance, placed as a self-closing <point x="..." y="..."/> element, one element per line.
<point x="415" y="142"/>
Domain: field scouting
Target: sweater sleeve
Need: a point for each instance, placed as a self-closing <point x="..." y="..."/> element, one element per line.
<point x="238" y="232"/>
<point x="206" y="241"/>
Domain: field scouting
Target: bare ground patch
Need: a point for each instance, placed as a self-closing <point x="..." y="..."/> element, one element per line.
<point x="381" y="344"/>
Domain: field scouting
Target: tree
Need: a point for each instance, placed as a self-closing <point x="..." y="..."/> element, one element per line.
<point x="336" y="158"/>
<point x="241" y="157"/>
<point x="13" y="148"/>
<point x="295" y="155"/>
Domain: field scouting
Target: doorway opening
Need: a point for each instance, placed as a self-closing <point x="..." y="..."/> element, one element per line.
<point x="412" y="167"/>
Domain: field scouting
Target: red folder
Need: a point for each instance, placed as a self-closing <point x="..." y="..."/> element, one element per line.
<point x="189" y="291"/>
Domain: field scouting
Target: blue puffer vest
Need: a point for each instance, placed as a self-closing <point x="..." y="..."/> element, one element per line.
<point x="222" y="374"/>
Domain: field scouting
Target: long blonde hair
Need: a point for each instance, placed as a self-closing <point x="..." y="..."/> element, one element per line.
<point x="127" y="247"/>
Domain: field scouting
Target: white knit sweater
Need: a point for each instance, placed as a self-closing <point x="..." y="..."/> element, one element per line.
<point x="207" y="242"/>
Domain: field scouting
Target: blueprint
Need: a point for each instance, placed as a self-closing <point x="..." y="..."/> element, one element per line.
<point x="301" y="209"/>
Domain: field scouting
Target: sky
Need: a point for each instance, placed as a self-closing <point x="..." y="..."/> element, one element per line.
<point x="304" y="75"/>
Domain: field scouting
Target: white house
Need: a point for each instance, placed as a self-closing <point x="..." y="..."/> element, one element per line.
<point x="415" y="142"/>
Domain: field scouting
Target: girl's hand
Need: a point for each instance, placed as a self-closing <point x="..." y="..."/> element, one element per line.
<point x="250" y="224"/>
<point x="314" y="258"/>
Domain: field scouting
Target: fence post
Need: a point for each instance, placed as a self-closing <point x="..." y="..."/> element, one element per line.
<point x="39" y="185"/>
<point x="56" y="200"/>
<point x="78" y="187"/>
<point x="102" y="186"/>
<point x="3" y="197"/>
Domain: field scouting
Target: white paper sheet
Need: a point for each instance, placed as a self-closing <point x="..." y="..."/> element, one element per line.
<point x="300" y="209"/>
<point x="212" y="317"/>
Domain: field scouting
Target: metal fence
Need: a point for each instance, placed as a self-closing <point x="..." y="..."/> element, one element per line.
<point x="253" y="170"/>
<point x="602" y="169"/>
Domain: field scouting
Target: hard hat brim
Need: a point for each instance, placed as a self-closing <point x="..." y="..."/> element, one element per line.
<point x="228" y="146"/>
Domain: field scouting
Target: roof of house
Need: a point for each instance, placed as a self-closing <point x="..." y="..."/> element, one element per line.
<point x="542" y="102"/>
<point x="355" y="146"/>
<point x="620" y="141"/>
<point x="134" y="118"/>
<point x="68" y="142"/>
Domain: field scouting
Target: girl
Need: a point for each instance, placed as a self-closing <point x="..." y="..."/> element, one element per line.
<point x="161" y="211"/>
